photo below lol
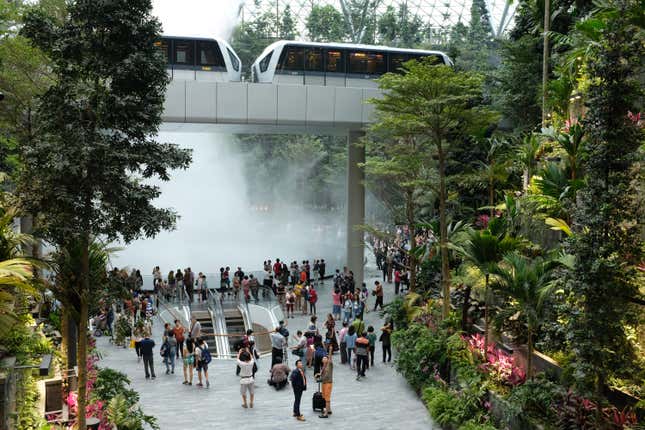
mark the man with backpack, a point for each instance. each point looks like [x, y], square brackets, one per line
[203, 356]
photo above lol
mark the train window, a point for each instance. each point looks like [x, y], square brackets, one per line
[184, 52]
[314, 60]
[367, 63]
[376, 64]
[396, 62]
[335, 61]
[209, 54]
[292, 59]
[264, 63]
[234, 61]
[164, 47]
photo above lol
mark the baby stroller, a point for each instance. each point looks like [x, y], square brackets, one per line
[100, 325]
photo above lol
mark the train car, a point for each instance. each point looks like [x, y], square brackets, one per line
[333, 64]
[200, 59]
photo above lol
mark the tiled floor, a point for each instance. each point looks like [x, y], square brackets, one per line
[382, 400]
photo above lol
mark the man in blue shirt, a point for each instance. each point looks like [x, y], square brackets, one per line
[146, 346]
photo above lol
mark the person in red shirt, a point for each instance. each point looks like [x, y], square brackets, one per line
[277, 269]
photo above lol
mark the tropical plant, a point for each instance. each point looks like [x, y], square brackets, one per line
[438, 105]
[125, 415]
[528, 283]
[15, 275]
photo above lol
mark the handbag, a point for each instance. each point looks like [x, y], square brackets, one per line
[132, 343]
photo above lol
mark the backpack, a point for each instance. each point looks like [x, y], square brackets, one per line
[206, 356]
[164, 349]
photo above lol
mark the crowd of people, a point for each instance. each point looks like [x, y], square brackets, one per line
[343, 332]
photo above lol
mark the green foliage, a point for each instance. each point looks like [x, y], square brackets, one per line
[24, 342]
[474, 425]
[453, 408]
[325, 24]
[606, 241]
[122, 413]
[110, 383]
[535, 399]
[396, 312]
[27, 396]
[400, 28]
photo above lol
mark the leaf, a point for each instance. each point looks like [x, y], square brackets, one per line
[559, 225]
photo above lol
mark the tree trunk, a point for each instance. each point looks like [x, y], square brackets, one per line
[443, 227]
[413, 240]
[529, 356]
[486, 329]
[545, 58]
[82, 335]
[464, 309]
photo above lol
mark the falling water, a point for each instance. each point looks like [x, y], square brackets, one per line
[220, 226]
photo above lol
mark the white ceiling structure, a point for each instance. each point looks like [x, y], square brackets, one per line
[440, 15]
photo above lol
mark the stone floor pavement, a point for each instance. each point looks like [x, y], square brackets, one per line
[382, 400]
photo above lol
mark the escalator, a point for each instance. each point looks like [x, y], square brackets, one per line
[205, 320]
[235, 327]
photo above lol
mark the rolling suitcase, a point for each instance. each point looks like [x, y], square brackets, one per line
[343, 353]
[318, 400]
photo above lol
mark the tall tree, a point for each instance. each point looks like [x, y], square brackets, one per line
[400, 28]
[325, 24]
[607, 242]
[360, 19]
[287, 28]
[441, 105]
[84, 172]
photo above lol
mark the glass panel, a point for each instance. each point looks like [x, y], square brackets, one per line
[358, 62]
[164, 46]
[292, 59]
[314, 60]
[376, 63]
[335, 62]
[184, 52]
[234, 61]
[437, 59]
[210, 54]
[264, 63]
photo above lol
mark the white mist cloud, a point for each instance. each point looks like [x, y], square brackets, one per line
[205, 18]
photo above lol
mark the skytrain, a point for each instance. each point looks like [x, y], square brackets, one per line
[332, 64]
[200, 59]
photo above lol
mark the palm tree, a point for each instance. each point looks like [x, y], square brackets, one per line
[528, 283]
[527, 155]
[15, 274]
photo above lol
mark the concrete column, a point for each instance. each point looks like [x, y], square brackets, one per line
[355, 206]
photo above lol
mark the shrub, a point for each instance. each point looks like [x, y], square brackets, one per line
[474, 425]
[534, 398]
[395, 310]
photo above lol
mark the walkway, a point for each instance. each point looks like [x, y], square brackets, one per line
[382, 400]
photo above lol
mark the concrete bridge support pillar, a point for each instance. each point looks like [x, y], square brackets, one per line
[355, 205]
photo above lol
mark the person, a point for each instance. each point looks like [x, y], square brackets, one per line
[246, 288]
[201, 293]
[137, 335]
[147, 346]
[189, 282]
[384, 269]
[397, 281]
[236, 287]
[362, 351]
[319, 352]
[336, 301]
[326, 377]
[342, 344]
[179, 280]
[378, 292]
[386, 331]
[277, 268]
[279, 375]
[277, 345]
[330, 335]
[359, 325]
[301, 345]
[172, 283]
[247, 382]
[312, 329]
[178, 330]
[313, 298]
[364, 294]
[195, 331]
[299, 385]
[350, 342]
[321, 268]
[291, 302]
[171, 352]
[188, 355]
[202, 355]
[255, 288]
[371, 336]
[348, 308]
